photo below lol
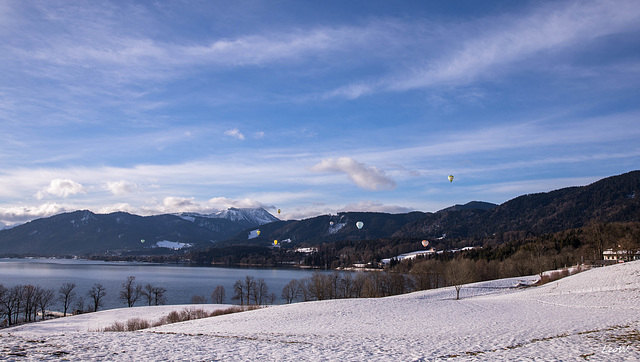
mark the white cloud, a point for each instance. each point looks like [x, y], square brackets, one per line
[61, 188]
[234, 132]
[120, 188]
[124, 207]
[222, 203]
[19, 214]
[177, 204]
[367, 177]
[180, 204]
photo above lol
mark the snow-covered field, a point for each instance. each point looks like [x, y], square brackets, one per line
[594, 315]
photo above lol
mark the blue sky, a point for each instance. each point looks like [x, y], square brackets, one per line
[311, 107]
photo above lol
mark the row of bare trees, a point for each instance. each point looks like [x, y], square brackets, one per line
[132, 292]
[23, 302]
[321, 286]
[252, 291]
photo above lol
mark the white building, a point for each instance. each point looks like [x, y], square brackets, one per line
[620, 255]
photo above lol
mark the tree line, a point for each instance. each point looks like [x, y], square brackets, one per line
[26, 302]
[583, 244]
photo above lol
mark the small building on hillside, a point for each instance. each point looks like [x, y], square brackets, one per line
[620, 255]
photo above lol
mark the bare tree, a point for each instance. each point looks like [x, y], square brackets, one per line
[290, 291]
[243, 290]
[79, 306]
[198, 299]
[596, 233]
[303, 290]
[153, 295]
[4, 296]
[130, 292]
[346, 286]
[628, 245]
[16, 294]
[96, 294]
[29, 301]
[249, 285]
[45, 299]
[9, 299]
[459, 272]
[238, 292]
[147, 293]
[159, 295]
[218, 295]
[260, 292]
[319, 286]
[67, 295]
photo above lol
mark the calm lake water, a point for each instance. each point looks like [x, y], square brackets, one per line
[181, 282]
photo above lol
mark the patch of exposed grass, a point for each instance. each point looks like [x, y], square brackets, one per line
[552, 276]
[175, 316]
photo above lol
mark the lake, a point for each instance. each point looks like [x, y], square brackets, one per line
[181, 281]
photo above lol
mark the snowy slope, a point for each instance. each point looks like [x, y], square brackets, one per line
[594, 315]
[257, 216]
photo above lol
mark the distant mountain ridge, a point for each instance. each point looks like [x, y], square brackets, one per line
[613, 199]
[84, 232]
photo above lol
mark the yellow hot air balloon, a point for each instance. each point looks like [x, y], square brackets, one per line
[258, 232]
[279, 211]
[450, 178]
[275, 242]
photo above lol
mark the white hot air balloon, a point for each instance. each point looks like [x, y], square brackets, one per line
[359, 224]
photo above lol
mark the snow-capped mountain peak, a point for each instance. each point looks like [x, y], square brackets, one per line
[256, 216]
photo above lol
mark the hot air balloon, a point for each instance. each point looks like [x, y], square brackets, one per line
[258, 232]
[275, 242]
[425, 243]
[359, 224]
[279, 211]
[142, 241]
[450, 178]
[330, 223]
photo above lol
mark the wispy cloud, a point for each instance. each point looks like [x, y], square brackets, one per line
[558, 130]
[235, 133]
[374, 206]
[507, 41]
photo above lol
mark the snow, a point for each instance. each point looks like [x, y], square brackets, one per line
[258, 216]
[593, 315]
[253, 234]
[186, 217]
[172, 245]
[411, 255]
[336, 227]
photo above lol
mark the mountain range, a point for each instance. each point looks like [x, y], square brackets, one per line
[613, 199]
[84, 232]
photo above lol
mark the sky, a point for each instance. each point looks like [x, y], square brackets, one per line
[310, 107]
